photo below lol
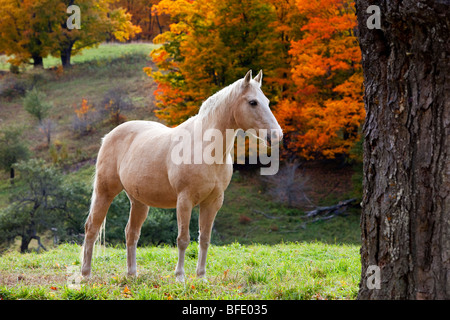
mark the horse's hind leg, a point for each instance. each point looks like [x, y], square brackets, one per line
[101, 200]
[138, 214]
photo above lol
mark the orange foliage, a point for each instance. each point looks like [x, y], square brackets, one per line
[307, 48]
[212, 43]
[323, 117]
[84, 114]
[141, 12]
[84, 109]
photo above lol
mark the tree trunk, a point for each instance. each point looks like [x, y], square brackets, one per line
[159, 25]
[38, 62]
[66, 54]
[11, 175]
[405, 221]
[24, 244]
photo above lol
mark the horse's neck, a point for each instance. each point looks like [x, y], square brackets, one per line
[222, 124]
[211, 122]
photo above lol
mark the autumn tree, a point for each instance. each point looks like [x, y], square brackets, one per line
[288, 23]
[33, 29]
[210, 45]
[406, 201]
[99, 21]
[151, 24]
[322, 116]
[308, 50]
[25, 30]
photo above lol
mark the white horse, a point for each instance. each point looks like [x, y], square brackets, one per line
[136, 157]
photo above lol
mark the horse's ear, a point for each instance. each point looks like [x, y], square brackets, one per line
[247, 78]
[259, 77]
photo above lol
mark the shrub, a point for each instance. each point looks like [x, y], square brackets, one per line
[115, 102]
[58, 152]
[13, 86]
[46, 202]
[12, 149]
[36, 105]
[85, 118]
[243, 219]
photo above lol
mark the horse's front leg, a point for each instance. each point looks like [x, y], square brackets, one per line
[184, 210]
[208, 211]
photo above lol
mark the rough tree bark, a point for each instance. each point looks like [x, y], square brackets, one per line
[66, 54]
[38, 61]
[406, 203]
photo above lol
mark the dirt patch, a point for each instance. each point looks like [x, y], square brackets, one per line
[27, 279]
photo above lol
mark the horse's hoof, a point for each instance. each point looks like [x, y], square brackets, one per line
[180, 278]
[86, 274]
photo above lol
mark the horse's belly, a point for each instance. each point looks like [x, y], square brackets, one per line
[159, 200]
[152, 191]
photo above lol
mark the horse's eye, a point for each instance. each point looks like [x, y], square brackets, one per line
[253, 103]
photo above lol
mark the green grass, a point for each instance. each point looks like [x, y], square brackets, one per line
[284, 271]
[105, 51]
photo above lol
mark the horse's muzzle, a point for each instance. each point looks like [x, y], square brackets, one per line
[274, 137]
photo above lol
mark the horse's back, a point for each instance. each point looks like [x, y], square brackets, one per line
[117, 144]
[132, 128]
[124, 134]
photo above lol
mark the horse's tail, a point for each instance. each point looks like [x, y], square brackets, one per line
[100, 242]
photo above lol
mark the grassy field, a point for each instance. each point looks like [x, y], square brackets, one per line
[285, 271]
[102, 52]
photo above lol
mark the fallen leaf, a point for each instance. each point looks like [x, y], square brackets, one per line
[53, 288]
[126, 290]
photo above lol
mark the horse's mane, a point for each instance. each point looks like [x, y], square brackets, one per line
[220, 99]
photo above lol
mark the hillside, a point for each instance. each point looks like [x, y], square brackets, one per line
[96, 72]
